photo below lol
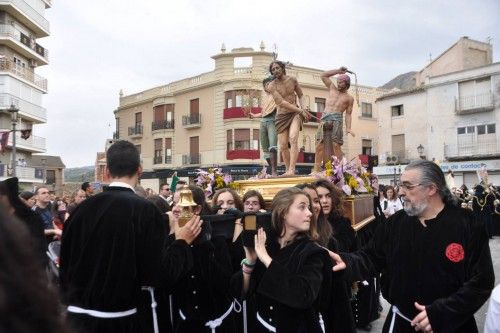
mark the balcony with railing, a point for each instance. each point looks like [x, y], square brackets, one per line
[168, 159]
[191, 159]
[135, 131]
[23, 44]
[191, 121]
[162, 124]
[474, 103]
[239, 112]
[27, 110]
[158, 160]
[26, 174]
[251, 154]
[27, 15]
[24, 73]
[489, 148]
[34, 144]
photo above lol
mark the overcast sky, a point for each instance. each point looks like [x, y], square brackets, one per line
[98, 47]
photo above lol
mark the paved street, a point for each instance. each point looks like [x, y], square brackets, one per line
[480, 315]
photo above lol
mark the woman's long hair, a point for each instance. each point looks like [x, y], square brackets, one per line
[325, 231]
[280, 206]
[335, 194]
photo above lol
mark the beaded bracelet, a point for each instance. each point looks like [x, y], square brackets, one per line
[247, 263]
[246, 270]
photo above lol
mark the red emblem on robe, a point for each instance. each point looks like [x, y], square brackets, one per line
[455, 252]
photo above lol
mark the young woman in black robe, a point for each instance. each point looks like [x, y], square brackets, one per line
[286, 280]
[337, 316]
[202, 299]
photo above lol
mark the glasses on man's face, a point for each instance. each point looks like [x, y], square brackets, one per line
[408, 186]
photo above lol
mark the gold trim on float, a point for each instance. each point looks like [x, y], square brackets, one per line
[358, 208]
[269, 187]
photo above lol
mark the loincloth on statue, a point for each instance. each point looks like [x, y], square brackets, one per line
[331, 122]
[284, 120]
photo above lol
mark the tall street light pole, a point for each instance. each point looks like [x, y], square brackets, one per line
[13, 113]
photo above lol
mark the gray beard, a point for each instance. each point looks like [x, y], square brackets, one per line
[414, 210]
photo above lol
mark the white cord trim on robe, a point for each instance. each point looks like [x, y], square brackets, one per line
[213, 324]
[395, 311]
[101, 314]
[265, 323]
[245, 324]
[153, 307]
[171, 305]
[321, 322]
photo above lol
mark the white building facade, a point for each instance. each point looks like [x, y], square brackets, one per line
[22, 24]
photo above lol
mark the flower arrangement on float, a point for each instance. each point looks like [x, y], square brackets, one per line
[214, 179]
[349, 176]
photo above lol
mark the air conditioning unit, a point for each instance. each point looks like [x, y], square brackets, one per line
[392, 159]
[32, 63]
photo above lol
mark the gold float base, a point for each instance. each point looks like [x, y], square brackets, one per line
[359, 208]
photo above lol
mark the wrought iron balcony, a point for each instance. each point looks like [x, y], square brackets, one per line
[135, 130]
[162, 124]
[158, 160]
[168, 159]
[191, 121]
[191, 159]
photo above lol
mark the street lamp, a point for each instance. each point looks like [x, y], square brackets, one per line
[14, 117]
[420, 150]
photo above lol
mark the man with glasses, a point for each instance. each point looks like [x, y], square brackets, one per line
[434, 257]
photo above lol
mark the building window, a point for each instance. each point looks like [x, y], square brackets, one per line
[138, 119]
[50, 176]
[366, 110]
[398, 146]
[158, 149]
[475, 93]
[229, 140]
[397, 110]
[366, 147]
[466, 130]
[168, 150]
[255, 141]
[242, 139]
[239, 101]
[491, 128]
[319, 104]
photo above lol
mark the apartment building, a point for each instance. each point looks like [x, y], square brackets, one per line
[202, 121]
[451, 116]
[22, 25]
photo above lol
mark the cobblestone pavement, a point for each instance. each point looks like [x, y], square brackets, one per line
[480, 315]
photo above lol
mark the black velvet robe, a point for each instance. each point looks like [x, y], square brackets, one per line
[203, 293]
[445, 266]
[112, 244]
[287, 292]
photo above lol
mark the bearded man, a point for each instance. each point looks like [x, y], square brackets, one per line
[433, 255]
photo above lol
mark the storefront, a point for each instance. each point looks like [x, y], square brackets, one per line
[465, 172]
